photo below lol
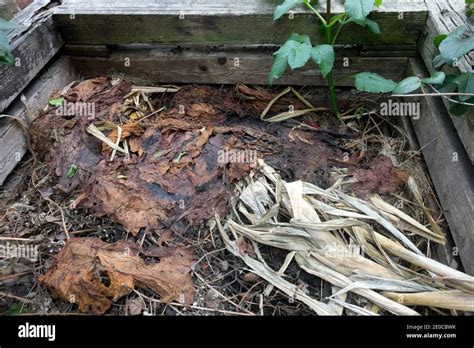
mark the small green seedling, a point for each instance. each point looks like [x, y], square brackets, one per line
[180, 156]
[298, 50]
[56, 102]
[71, 171]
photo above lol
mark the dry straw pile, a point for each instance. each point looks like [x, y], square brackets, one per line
[357, 246]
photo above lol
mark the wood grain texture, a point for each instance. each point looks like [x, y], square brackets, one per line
[224, 22]
[33, 45]
[442, 253]
[444, 16]
[12, 137]
[450, 169]
[228, 66]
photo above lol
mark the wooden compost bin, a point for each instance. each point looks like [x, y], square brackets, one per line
[227, 42]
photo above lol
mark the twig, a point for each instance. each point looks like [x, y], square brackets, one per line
[16, 239]
[21, 299]
[153, 113]
[222, 296]
[193, 306]
[52, 202]
[439, 94]
[10, 276]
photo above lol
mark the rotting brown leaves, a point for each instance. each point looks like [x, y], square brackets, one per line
[62, 139]
[93, 274]
[175, 177]
[379, 176]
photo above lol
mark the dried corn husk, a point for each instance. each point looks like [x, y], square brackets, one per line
[348, 242]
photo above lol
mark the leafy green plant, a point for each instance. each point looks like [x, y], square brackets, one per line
[5, 54]
[460, 87]
[470, 7]
[298, 49]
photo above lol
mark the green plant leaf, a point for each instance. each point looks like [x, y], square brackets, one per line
[280, 64]
[438, 61]
[436, 79]
[299, 55]
[456, 109]
[296, 52]
[455, 46]
[287, 5]
[336, 18]
[408, 85]
[470, 7]
[373, 26]
[15, 309]
[369, 23]
[7, 58]
[359, 9]
[378, 3]
[373, 83]
[4, 44]
[71, 171]
[448, 85]
[300, 38]
[56, 102]
[323, 55]
[465, 84]
[5, 25]
[438, 39]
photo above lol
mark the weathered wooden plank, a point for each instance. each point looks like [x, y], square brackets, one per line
[225, 22]
[12, 137]
[442, 253]
[389, 51]
[229, 66]
[86, 50]
[450, 169]
[446, 15]
[33, 45]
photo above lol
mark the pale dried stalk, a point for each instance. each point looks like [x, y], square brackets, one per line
[274, 278]
[450, 299]
[322, 248]
[455, 278]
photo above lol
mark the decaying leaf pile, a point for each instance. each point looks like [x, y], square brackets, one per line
[357, 246]
[93, 274]
[159, 170]
[170, 176]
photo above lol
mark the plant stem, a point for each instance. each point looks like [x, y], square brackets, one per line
[343, 23]
[332, 94]
[323, 21]
[329, 77]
